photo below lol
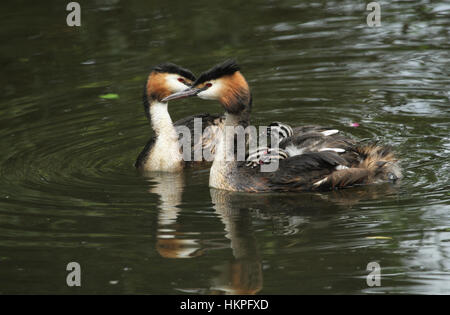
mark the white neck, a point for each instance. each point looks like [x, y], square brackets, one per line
[221, 167]
[160, 119]
[165, 154]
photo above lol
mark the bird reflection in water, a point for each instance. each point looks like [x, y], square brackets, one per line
[243, 274]
[171, 243]
[289, 214]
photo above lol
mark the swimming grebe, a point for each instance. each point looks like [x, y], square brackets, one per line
[310, 170]
[163, 151]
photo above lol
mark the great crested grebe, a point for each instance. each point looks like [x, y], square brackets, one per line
[356, 163]
[163, 151]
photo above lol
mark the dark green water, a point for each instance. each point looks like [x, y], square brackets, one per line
[69, 192]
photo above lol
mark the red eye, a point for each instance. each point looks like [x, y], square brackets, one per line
[208, 85]
[181, 80]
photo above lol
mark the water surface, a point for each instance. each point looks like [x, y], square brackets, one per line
[69, 191]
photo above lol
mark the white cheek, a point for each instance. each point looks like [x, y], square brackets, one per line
[174, 85]
[211, 93]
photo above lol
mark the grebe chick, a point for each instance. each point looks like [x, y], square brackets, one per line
[163, 151]
[308, 171]
[310, 138]
[316, 139]
[307, 139]
[265, 155]
[280, 129]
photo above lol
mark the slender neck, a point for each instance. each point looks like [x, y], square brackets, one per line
[165, 153]
[161, 121]
[232, 120]
[225, 146]
[221, 174]
[226, 142]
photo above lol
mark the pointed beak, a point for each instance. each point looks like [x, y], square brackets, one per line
[186, 93]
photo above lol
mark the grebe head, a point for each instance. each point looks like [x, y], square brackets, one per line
[225, 83]
[166, 79]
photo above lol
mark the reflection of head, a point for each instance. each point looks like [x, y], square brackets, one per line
[241, 276]
[176, 248]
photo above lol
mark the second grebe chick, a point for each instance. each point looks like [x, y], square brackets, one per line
[307, 139]
[310, 138]
[163, 151]
[265, 155]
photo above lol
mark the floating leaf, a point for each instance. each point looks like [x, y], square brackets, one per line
[110, 96]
